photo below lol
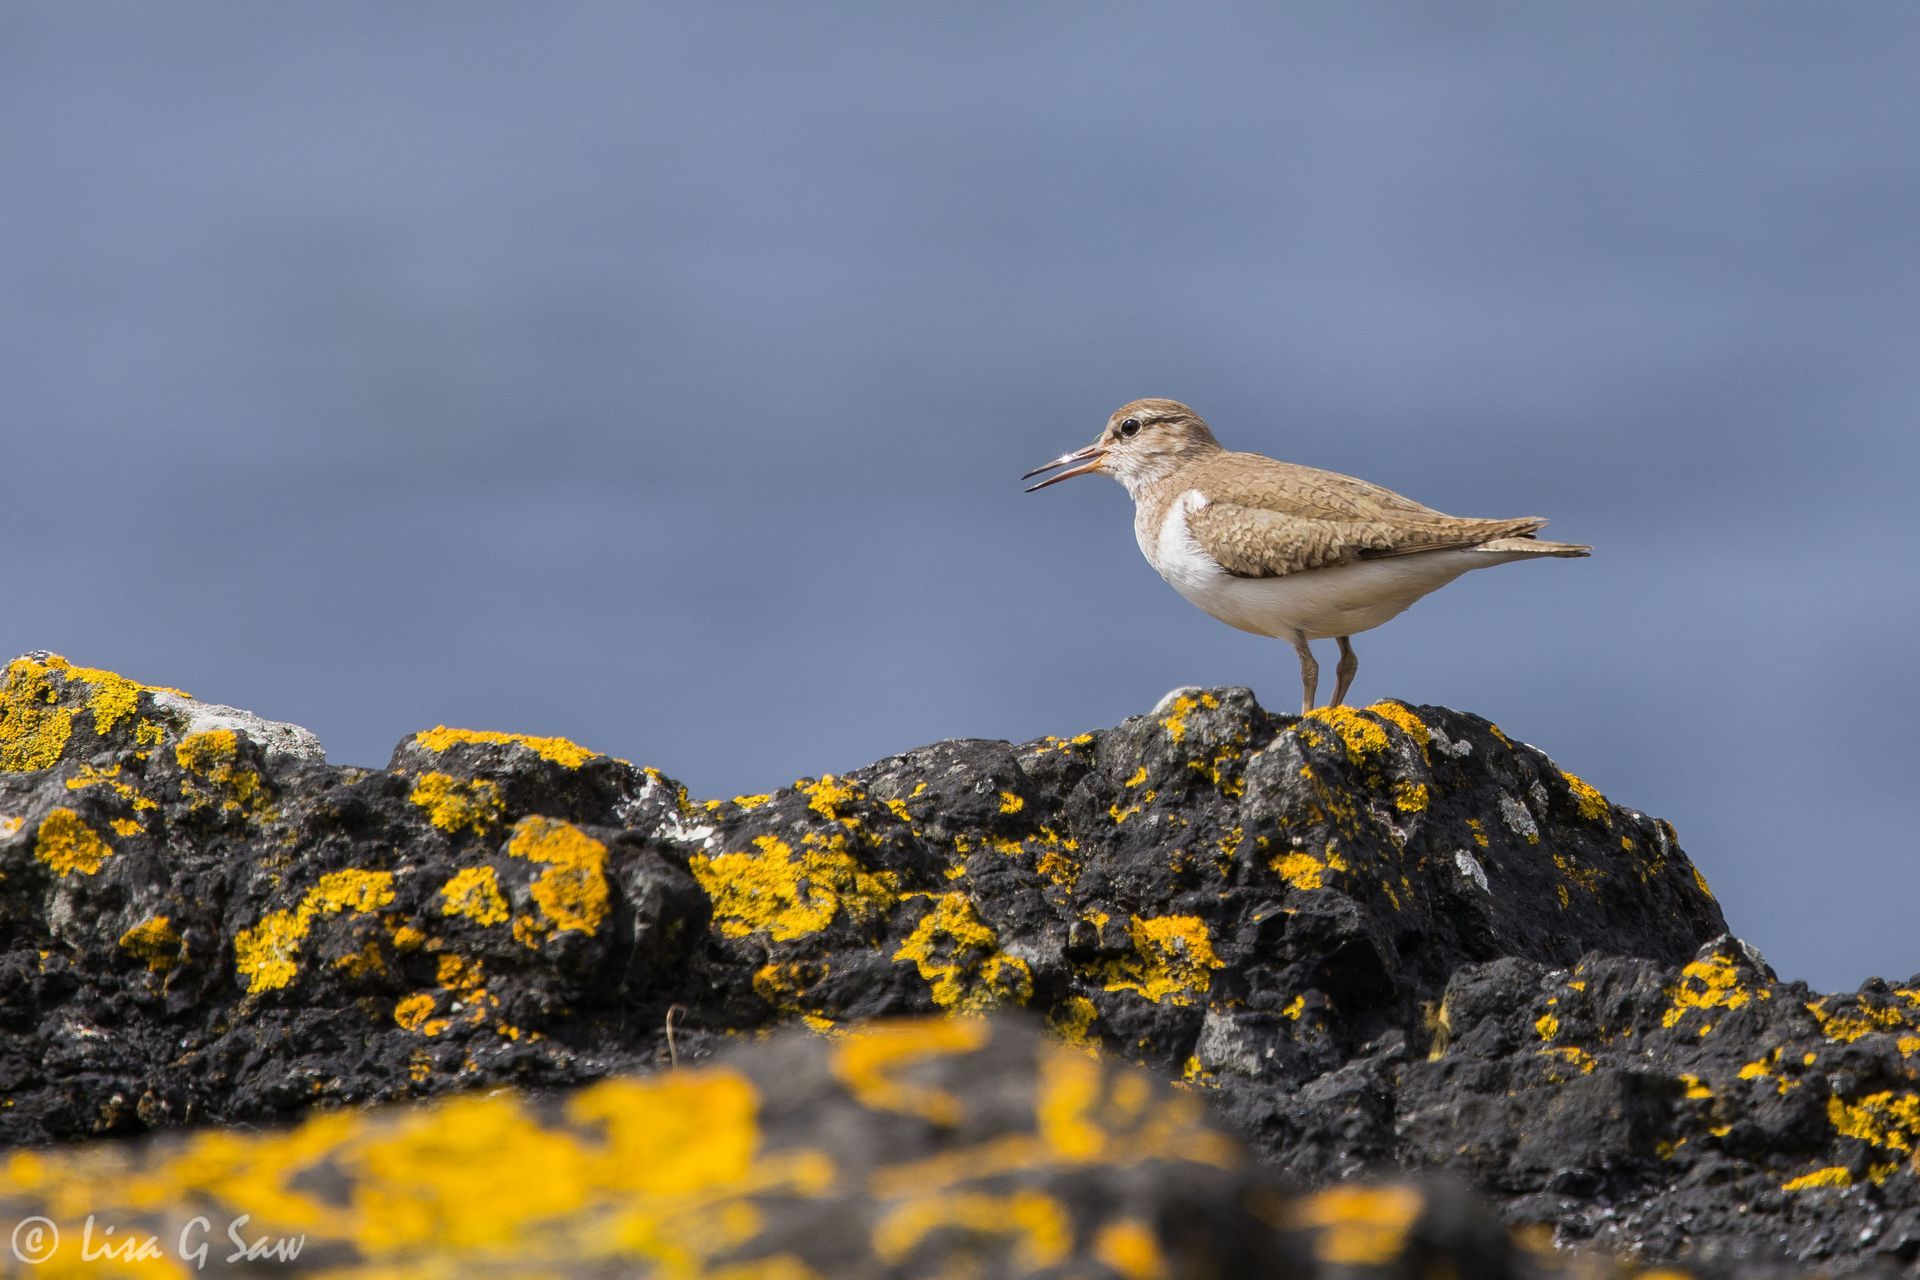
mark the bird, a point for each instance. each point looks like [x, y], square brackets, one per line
[1281, 549]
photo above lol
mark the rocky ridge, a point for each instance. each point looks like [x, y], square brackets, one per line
[1387, 937]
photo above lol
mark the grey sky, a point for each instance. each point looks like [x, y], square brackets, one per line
[659, 376]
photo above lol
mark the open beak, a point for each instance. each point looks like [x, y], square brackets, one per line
[1088, 458]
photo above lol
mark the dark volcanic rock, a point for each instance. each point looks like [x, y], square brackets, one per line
[1387, 936]
[936, 1147]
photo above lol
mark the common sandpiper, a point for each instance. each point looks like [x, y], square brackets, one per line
[1280, 549]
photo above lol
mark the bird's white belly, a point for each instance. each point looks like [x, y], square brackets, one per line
[1340, 600]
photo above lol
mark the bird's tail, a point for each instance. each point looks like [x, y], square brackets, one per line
[1529, 545]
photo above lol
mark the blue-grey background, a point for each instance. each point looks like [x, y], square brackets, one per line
[659, 376]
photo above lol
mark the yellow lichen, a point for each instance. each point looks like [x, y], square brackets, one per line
[1072, 1020]
[1833, 1176]
[1363, 738]
[367, 962]
[455, 804]
[33, 728]
[474, 892]
[784, 986]
[434, 1177]
[1011, 803]
[1175, 722]
[1130, 1250]
[1401, 715]
[35, 722]
[875, 1062]
[414, 1013]
[1573, 1055]
[1705, 985]
[1765, 1068]
[267, 954]
[214, 756]
[1360, 1226]
[561, 751]
[1547, 1025]
[959, 956]
[1885, 1119]
[1194, 1075]
[1859, 1019]
[1039, 1226]
[1056, 861]
[1215, 767]
[155, 942]
[1171, 962]
[1301, 870]
[790, 895]
[1701, 881]
[1587, 878]
[829, 795]
[572, 892]
[69, 846]
[1588, 802]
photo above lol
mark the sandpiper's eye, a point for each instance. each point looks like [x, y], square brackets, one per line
[1130, 428]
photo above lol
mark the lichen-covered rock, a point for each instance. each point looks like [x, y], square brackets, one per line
[1387, 936]
[939, 1147]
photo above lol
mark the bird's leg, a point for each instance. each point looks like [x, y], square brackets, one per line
[1309, 673]
[1345, 671]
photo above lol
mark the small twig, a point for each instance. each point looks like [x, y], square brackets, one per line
[673, 1050]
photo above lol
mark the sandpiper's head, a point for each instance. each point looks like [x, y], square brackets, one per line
[1144, 441]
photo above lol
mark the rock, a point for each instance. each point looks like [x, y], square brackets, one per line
[1377, 937]
[933, 1147]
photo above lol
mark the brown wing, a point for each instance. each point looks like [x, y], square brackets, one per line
[1269, 518]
